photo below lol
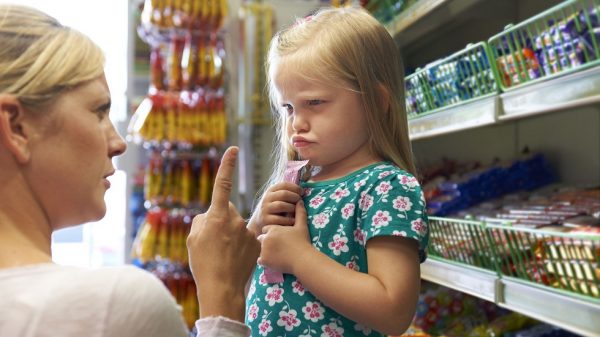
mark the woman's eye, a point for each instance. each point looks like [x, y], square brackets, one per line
[314, 102]
[102, 111]
[101, 114]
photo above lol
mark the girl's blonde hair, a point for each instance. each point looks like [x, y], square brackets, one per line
[40, 58]
[346, 47]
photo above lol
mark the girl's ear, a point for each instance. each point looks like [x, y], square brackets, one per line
[13, 135]
[385, 98]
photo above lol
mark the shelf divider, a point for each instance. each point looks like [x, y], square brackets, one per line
[568, 312]
[476, 282]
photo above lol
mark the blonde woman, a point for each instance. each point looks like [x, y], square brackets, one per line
[56, 146]
[351, 255]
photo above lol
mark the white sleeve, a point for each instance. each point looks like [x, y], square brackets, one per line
[142, 306]
[221, 327]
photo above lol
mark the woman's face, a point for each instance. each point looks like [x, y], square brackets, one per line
[71, 155]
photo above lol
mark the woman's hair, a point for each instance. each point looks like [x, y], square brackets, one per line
[349, 48]
[40, 58]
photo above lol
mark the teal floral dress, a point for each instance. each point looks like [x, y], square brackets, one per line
[343, 214]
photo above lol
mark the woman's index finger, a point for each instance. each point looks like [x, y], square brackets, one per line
[224, 180]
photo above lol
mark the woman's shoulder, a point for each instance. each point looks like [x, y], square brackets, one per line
[120, 301]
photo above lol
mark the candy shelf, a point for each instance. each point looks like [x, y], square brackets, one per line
[512, 294]
[582, 317]
[445, 120]
[465, 255]
[554, 95]
[570, 91]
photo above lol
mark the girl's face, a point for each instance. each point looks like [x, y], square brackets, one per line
[325, 124]
[71, 155]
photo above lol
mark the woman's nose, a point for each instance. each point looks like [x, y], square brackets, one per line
[116, 143]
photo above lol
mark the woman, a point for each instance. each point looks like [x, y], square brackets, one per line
[56, 146]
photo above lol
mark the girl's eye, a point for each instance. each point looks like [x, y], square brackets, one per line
[288, 109]
[314, 102]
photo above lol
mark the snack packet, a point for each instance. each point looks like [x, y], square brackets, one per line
[292, 175]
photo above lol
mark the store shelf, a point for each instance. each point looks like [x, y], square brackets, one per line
[561, 93]
[558, 94]
[473, 114]
[477, 282]
[567, 311]
[409, 25]
[571, 313]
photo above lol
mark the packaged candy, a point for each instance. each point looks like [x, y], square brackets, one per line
[291, 174]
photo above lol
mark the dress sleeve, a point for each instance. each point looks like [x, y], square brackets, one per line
[395, 205]
[221, 327]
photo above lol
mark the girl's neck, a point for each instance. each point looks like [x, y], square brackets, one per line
[335, 171]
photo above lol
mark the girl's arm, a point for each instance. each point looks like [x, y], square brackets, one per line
[384, 299]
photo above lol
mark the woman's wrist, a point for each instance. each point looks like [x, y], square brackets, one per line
[222, 301]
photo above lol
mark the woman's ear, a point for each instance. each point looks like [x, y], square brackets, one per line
[13, 135]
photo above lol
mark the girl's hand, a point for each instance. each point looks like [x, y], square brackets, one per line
[283, 246]
[277, 206]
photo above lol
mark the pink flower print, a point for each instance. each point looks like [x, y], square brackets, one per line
[402, 204]
[298, 288]
[365, 201]
[360, 236]
[359, 184]
[316, 201]
[274, 295]
[332, 330]
[383, 188]
[352, 265]
[307, 191]
[419, 226]
[288, 319]
[348, 211]
[252, 312]
[339, 193]
[262, 279]
[384, 174]
[399, 233]
[252, 289]
[408, 181]
[339, 244]
[265, 327]
[359, 327]
[381, 219]
[313, 311]
[320, 220]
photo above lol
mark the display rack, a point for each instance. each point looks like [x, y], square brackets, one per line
[557, 94]
[181, 124]
[517, 296]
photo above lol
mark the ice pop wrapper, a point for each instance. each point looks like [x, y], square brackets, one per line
[292, 175]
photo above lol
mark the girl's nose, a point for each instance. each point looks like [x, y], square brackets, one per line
[299, 122]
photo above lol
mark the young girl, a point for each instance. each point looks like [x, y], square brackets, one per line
[351, 265]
